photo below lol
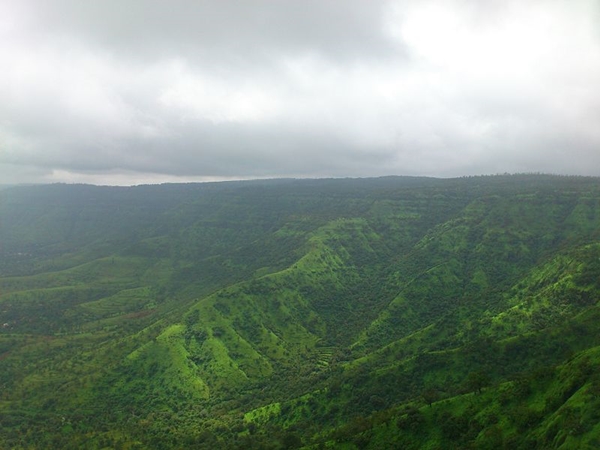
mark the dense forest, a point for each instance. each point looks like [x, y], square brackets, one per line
[393, 312]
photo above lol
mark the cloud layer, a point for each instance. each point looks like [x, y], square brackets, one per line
[132, 91]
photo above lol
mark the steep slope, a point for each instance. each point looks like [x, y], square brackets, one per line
[284, 313]
[518, 369]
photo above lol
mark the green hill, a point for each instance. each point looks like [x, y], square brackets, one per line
[393, 312]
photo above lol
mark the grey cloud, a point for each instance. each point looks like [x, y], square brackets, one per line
[226, 150]
[150, 90]
[235, 32]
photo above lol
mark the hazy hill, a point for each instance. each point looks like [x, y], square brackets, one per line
[353, 313]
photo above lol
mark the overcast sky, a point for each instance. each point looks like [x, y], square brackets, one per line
[144, 91]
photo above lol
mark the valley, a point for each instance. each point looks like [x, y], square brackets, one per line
[390, 312]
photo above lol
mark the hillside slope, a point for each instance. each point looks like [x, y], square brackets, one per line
[414, 312]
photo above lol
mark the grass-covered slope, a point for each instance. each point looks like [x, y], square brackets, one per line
[376, 313]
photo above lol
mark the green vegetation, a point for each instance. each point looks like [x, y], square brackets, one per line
[353, 314]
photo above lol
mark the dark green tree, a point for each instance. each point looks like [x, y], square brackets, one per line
[476, 381]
